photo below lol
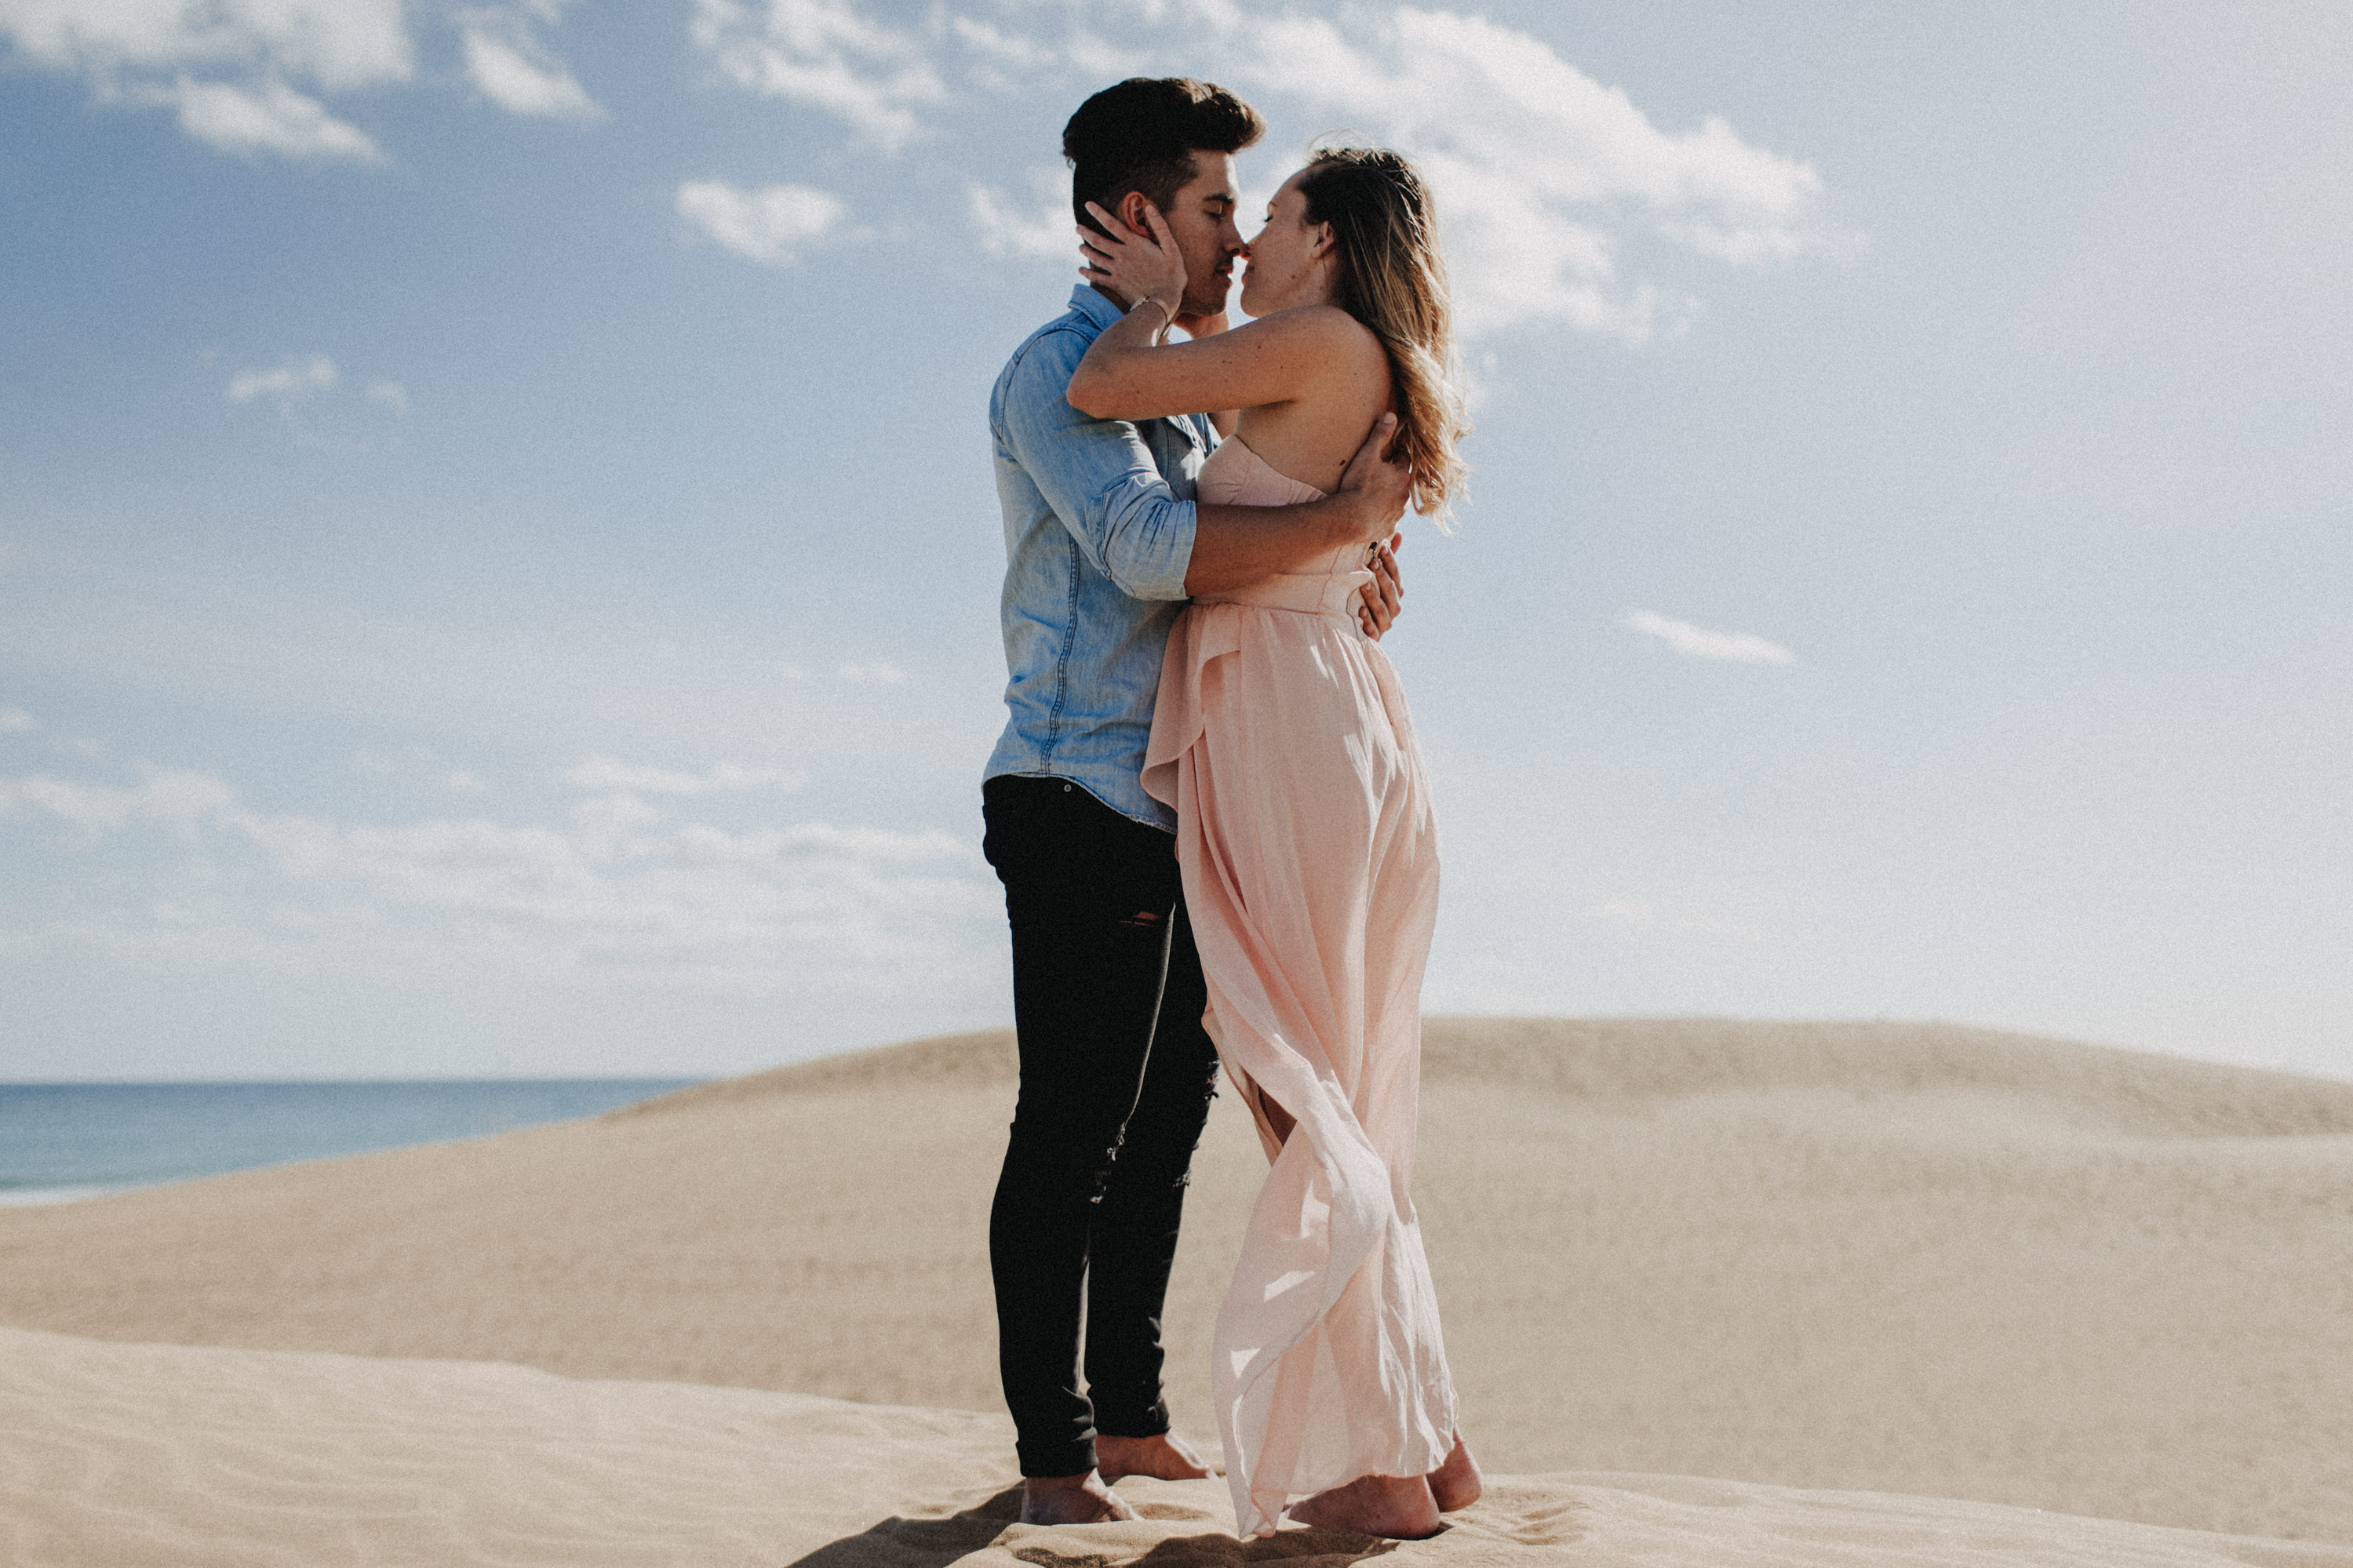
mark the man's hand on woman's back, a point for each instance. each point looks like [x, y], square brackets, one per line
[1234, 546]
[1383, 597]
[1373, 490]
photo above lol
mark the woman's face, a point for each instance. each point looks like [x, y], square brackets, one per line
[1289, 263]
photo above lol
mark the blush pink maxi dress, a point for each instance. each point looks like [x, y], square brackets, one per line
[1310, 866]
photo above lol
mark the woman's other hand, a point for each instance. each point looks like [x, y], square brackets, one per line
[1135, 264]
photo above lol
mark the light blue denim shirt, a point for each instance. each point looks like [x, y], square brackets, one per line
[1098, 534]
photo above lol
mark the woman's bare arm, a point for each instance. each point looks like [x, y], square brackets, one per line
[1132, 372]
[1127, 375]
[1195, 328]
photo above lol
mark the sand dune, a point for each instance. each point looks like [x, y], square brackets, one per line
[158, 1457]
[1901, 1259]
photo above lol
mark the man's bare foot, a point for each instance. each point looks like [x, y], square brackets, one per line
[1071, 1499]
[1398, 1507]
[1166, 1458]
[1457, 1483]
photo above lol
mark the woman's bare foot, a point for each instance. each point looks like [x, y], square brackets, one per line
[1457, 1483]
[1071, 1499]
[1398, 1507]
[1166, 1458]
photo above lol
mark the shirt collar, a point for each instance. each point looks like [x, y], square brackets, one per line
[1103, 313]
[1093, 306]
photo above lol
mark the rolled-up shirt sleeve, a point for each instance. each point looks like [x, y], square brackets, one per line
[1098, 476]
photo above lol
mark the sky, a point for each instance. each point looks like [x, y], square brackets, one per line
[498, 561]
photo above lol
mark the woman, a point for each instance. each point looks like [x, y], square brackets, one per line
[1304, 836]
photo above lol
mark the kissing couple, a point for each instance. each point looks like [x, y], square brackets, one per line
[1211, 822]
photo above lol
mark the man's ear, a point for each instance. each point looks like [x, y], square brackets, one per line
[1130, 211]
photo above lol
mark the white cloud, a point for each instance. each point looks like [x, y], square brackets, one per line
[767, 225]
[174, 799]
[463, 782]
[15, 719]
[236, 70]
[880, 673]
[268, 117]
[391, 393]
[1560, 199]
[719, 778]
[1700, 643]
[823, 54]
[297, 376]
[1542, 174]
[226, 67]
[511, 72]
[622, 894]
[1039, 227]
[337, 44]
[1006, 50]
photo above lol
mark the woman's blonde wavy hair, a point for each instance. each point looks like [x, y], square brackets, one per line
[1391, 277]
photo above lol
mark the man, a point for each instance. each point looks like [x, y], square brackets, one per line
[1103, 542]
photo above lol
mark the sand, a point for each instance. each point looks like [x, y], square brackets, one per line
[1844, 1269]
[158, 1455]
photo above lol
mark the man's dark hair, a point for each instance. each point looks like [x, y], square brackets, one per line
[1140, 136]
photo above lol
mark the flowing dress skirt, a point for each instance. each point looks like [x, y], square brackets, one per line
[1310, 866]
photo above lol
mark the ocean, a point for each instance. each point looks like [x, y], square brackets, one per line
[59, 1142]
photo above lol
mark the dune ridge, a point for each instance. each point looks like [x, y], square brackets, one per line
[2134, 1091]
[1886, 1258]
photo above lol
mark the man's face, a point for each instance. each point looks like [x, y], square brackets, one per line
[1201, 216]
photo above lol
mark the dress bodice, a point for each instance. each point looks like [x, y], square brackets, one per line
[1236, 476]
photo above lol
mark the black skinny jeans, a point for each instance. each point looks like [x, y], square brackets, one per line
[1116, 1078]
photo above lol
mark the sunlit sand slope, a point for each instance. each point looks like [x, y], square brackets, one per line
[159, 1456]
[1882, 1258]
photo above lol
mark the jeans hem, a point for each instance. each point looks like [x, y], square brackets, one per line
[1054, 1467]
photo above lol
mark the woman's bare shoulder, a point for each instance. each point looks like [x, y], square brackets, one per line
[1335, 342]
[1326, 324]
